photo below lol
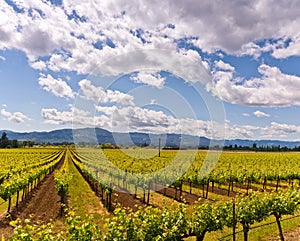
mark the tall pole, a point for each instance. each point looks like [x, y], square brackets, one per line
[158, 147]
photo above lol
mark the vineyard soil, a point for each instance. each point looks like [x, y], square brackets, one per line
[291, 236]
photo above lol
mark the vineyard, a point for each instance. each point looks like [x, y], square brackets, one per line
[179, 195]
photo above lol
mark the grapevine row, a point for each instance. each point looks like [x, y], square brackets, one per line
[16, 162]
[231, 169]
[170, 223]
[62, 180]
[27, 180]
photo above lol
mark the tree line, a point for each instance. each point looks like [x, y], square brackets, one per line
[254, 147]
[5, 142]
[266, 148]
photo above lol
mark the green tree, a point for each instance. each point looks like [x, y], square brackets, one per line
[30, 143]
[14, 143]
[4, 142]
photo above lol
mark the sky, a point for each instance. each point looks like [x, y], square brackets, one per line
[226, 69]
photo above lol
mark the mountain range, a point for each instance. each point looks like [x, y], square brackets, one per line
[98, 136]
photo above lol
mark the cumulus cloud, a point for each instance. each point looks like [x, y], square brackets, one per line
[292, 49]
[53, 116]
[136, 118]
[186, 64]
[148, 78]
[17, 117]
[133, 118]
[5, 113]
[77, 34]
[273, 88]
[279, 48]
[39, 65]
[260, 114]
[279, 130]
[273, 131]
[224, 66]
[251, 49]
[98, 94]
[139, 119]
[58, 87]
[240, 131]
[130, 118]
[284, 128]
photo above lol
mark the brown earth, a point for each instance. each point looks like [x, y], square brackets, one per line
[171, 192]
[126, 199]
[289, 236]
[215, 189]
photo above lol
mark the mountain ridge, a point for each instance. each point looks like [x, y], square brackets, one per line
[99, 135]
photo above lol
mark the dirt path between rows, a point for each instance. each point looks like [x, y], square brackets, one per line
[289, 236]
[42, 205]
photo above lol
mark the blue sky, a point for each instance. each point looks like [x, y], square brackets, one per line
[226, 70]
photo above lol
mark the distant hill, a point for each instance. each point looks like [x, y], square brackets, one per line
[99, 135]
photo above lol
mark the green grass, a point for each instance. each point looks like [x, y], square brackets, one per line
[82, 199]
[4, 205]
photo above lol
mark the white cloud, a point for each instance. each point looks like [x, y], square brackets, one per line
[273, 131]
[130, 118]
[2, 58]
[39, 65]
[186, 64]
[75, 115]
[139, 119]
[260, 114]
[251, 49]
[274, 88]
[153, 102]
[149, 78]
[293, 49]
[136, 118]
[69, 34]
[246, 114]
[98, 94]
[6, 113]
[280, 48]
[224, 66]
[17, 117]
[58, 87]
[240, 131]
[133, 118]
[279, 130]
